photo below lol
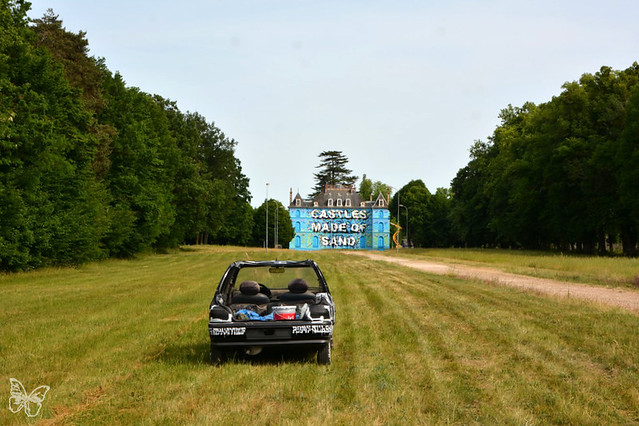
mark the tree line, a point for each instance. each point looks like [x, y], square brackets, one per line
[91, 168]
[562, 175]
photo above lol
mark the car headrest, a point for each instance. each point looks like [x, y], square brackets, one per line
[249, 288]
[298, 285]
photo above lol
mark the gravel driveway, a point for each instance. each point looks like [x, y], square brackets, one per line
[627, 299]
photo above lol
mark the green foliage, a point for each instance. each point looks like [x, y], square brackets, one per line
[370, 190]
[366, 188]
[285, 230]
[52, 207]
[332, 171]
[416, 199]
[469, 207]
[440, 226]
[140, 179]
[238, 226]
[628, 156]
[556, 175]
[72, 52]
[380, 188]
[423, 216]
[90, 167]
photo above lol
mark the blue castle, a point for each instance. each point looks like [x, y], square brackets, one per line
[338, 218]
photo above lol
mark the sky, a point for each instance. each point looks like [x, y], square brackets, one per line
[403, 88]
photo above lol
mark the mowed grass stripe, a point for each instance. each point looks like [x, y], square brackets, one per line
[382, 373]
[245, 380]
[446, 383]
[126, 342]
[418, 354]
[108, 317]
[534, 349]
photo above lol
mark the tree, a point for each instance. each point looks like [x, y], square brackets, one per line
[557, 175]
[142, 173]
[416, 199]
[83, 73]
[440, 231]
[370, 190]
[628, 177]
[90, 167]
[366, 188]
[380, 188]
[469, 207]
[238, 227]
[285, 230]
[332, 171]
[51, 208]
[72, 52]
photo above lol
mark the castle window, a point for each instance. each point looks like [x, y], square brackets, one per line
[315, 204]
[339, 202]
[348, 202]
[362, 204]
[298, 202]
[381, 202]
[330, 202]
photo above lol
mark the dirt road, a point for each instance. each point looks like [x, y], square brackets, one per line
[622, 298]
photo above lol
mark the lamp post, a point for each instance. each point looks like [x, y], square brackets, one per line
[276, 223]
[399, 230]
[266, 241]
[407, 240]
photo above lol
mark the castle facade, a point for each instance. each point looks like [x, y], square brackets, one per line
[338, 218]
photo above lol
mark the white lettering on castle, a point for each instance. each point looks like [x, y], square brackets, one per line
[339, 214]
[338, 221]
[344, 227]
[338, 241]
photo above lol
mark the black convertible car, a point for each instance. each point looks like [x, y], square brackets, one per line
[267, 303]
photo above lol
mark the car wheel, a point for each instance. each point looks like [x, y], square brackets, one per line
[324, 354]
[217, 356]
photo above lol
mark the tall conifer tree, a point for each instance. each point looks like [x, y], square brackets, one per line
[332, 171]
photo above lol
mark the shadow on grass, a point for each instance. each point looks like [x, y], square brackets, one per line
[199, 353]
[185, 353]
[274, 356]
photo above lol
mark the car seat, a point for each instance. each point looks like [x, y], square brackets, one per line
[297, 292]
[250, 294]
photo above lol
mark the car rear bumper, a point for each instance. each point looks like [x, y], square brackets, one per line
[268, 333]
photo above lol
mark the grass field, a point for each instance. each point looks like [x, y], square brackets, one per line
[126, 342]
[606, 271]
